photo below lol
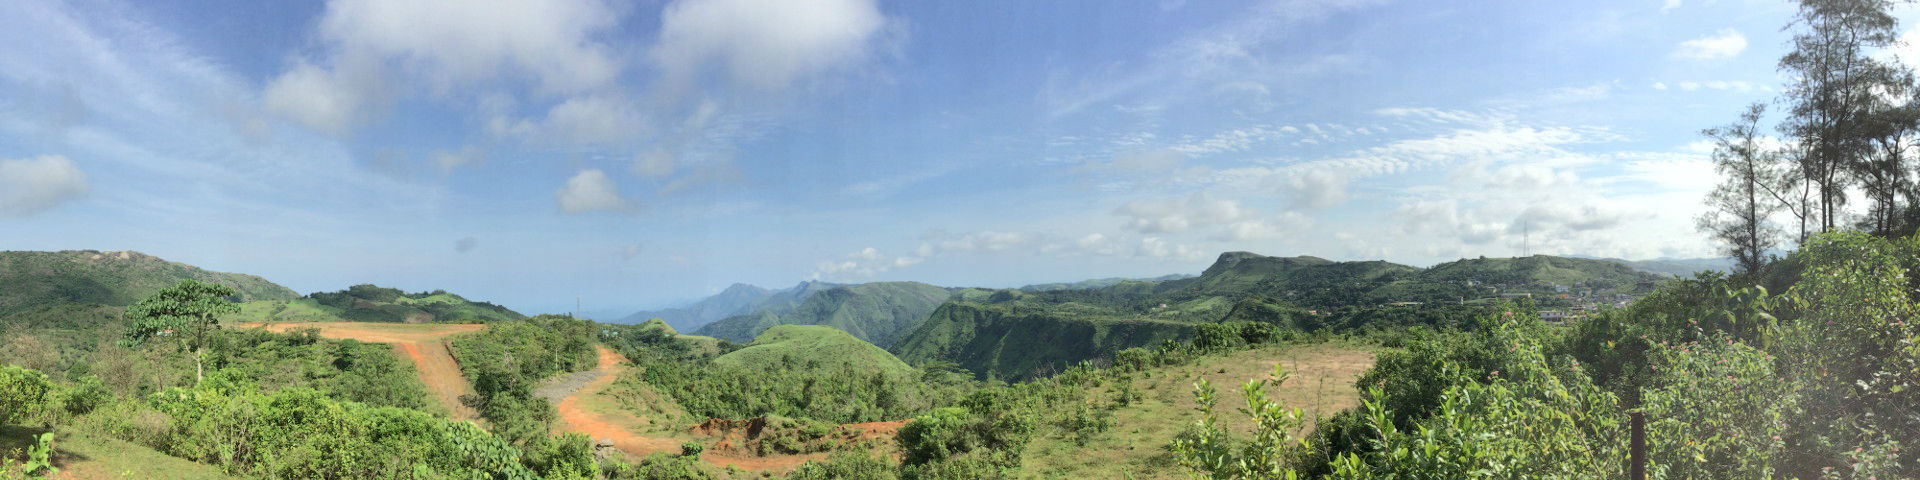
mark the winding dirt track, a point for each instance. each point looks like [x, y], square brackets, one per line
[423, 344]
[613, 426]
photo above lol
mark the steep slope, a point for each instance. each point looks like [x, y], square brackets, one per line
[1017, 340]
[880, 313]
[87, 278]
[368, 303]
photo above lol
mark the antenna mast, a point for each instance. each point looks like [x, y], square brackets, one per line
[1526, 238]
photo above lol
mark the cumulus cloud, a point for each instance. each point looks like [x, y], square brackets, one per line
[590, 190]
[764, 45]
[1315, 188]
[444, 45]
[1176, 215]
[864, 263]
[34, 185]
[329, 101]
[1156, 247]
[1725, 43]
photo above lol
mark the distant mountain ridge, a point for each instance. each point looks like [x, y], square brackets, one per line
[1098, 283]
[738, 299]
[879, 313]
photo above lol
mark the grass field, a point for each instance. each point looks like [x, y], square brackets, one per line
[87, 457]
[1321, 383]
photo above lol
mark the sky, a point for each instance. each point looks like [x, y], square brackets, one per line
[626, 155]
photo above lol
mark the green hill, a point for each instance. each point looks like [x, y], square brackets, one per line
[88, 278]
[880, 313]
[1018, 340]
[818, 346]
[1016, 334]
[368, 303]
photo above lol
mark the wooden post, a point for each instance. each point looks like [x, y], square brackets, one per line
[1637, 450]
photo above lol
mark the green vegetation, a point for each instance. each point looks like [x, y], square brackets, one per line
[507, 360]
[799, 371]
[1014, 334]
[86, 278]
[188, 313]
[1815, 382]
[880, 313]
[368, 303]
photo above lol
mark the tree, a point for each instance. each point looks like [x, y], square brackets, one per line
[1742, 204]
[1835, 82]
[188, 312]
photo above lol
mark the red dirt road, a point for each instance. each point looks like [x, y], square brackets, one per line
[423, 344]
[609, 425]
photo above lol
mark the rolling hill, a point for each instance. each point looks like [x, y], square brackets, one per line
[368, 303]
[88, 278]
[880, 313]
[820, 346]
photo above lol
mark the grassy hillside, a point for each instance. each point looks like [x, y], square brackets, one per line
[1321, 383]
[880, 313]
[817, 346]
[368, 303]
[37, 280]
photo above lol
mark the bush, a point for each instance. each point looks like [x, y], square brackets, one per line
[86, 395]
[846, 466]
[691, 449]
[23, 394]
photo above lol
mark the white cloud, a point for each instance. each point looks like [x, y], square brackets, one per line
[1741, 86]
[653, 164]
[1155, 247]
[1315, 188]
[590, 190]
[34, 185]
[447, 160]
[1669, 5]
[985, 241]
[444, 46]
[1175, 215]
[1726, 43]
[1261, 229]
[764, 45]
[864, 263]
[1659, 85]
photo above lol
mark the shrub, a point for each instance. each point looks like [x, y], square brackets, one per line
[23, 394]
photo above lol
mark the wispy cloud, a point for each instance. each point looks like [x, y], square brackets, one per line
[1726, 43]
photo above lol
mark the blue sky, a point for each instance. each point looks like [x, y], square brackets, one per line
[634, 154]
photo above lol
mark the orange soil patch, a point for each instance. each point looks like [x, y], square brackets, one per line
[613, 426]
[424, 345]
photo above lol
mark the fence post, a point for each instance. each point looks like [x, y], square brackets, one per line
[1637, 450]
